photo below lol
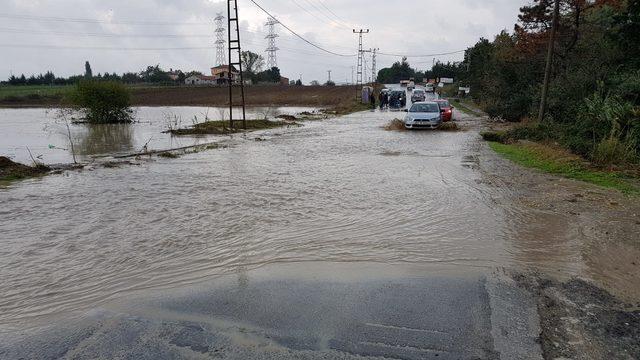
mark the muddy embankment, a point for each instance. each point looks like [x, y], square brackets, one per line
[578, 251]
[320, 96]
[10, 170]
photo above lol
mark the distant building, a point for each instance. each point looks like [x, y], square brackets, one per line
[219, 76]
[284, 80]
[221, 73]
[201, 80]
[173, 75]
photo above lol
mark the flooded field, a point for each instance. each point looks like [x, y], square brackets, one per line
[337, 191]
[45, 133]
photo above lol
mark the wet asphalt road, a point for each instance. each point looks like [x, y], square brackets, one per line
[321, 316]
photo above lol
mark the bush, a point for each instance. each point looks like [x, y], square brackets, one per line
[612, 151]
[102, 102]
[495, 136]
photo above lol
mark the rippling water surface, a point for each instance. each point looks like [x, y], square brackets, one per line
[341, 190]
[44, 132]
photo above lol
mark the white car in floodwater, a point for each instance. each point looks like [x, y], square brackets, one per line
[423, 115]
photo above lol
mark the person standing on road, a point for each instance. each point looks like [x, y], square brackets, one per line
[372, 100]
[381, 99]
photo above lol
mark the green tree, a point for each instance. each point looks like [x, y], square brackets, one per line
[400, 70]
[87, 70]
[155, 74]
[252, 63]
[102, 101]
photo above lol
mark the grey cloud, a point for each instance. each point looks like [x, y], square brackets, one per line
[406, 26]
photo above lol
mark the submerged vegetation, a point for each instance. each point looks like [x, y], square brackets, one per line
[221, 127]
[102, 101]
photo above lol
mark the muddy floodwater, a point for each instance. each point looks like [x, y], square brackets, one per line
[335, 191]
[44, 132]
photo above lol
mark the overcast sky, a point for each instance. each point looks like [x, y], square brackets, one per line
[41, 35]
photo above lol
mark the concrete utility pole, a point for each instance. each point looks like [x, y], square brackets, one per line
[374, 73]
[220, 42]
[272, 48]
[329, 73]
[548, 66]
[360, 61]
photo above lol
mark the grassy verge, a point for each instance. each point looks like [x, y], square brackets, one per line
[219, 127]
[464, 107]
[560, 162]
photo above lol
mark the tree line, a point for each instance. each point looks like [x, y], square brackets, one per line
[402, 70]
[594, 93]
[152, 74]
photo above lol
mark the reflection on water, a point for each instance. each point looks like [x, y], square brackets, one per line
[104, 139]
[45, 133]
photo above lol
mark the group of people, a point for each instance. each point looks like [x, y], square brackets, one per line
[383, 100]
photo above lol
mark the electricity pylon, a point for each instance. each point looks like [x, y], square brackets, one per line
[272, 60]
[221, 58]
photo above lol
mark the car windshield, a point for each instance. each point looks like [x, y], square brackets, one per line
[443, 103]
[418, 91]
[424, 108]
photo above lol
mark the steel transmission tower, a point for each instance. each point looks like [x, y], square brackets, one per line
[221, 58]
[272, 60]
[234, 44]
[360, 61]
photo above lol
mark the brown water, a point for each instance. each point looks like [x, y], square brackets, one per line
[342, 190]
[44, 132]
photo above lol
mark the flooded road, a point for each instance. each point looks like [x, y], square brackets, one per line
[340, 191]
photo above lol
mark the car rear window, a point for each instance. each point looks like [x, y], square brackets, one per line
[424, 108]
[443, 103]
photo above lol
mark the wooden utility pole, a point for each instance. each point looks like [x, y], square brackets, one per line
[547, 70]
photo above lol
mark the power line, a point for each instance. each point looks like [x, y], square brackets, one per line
[44, 46]
[426, 55]
[108, 35]
[300, 36]
[334, 14]
[323, 14]
[96, 21]
[114, 35]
